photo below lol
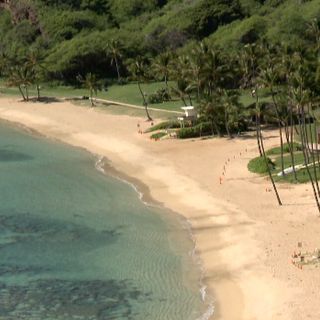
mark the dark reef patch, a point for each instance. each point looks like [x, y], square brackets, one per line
[64, 300]
[7, 155]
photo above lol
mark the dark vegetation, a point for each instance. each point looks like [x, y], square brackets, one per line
[207, 53]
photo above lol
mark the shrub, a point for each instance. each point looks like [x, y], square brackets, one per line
[161, 95]
[258, 165]
[201, 129]
[164, 125]
[158, 135]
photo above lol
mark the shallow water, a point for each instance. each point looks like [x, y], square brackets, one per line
[76, 244]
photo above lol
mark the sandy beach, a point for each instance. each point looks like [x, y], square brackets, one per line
[244, 239]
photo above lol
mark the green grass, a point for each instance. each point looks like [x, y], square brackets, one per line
[302, 176]
[310, 135]
[122, 110]
[277, 150]
[158, 135]
[164, 125]
[128, 93]
[246, 97]
[258, 165]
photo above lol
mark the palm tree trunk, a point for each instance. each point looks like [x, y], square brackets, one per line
[22, 94]
[91, 98]
[279, 126]
[291, 144]
[226, 123]
[257, 133]
[166, 82]
[118, 69]
[312, 155]
[183, 100]
[27, 93]
[145, 103]
[269, 171]
[214, 125]
[198, 88]
[38, 92]
[316, 141]
[307, 168]
[260, 137]
[281, 148]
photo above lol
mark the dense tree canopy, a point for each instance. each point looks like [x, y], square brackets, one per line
[75, 33]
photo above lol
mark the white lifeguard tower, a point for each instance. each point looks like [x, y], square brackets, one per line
[190, 114]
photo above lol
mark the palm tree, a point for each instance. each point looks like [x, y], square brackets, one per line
[211, 110]
[261, 143]
[161, 66]
[269, 78]
[183, 91]
[314, 31]
[248, 64]
[232, 109]
[138, 72]
[114, 49]
[35, 62]
[301, 96]
[180, 72]
[214, 71]
[20, 76]
[90, 82]
[196, 62]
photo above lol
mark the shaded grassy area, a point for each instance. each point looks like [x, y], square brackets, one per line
[246, 98]
[277, 150]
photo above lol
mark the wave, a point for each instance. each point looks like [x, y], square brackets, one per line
[206, 299]
[100, 165]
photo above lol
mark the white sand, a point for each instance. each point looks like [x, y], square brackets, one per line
[244, 239]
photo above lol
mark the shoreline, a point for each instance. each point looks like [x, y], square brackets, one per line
[243, 239]
[144, 194]
[106, 167]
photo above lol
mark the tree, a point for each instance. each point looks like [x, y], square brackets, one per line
[114, 49]
[35, 61]
[90, 82]
[261, 144]
[138, 70]
[248, 64]
[197, 59]
[180, 72]
[232, 109]
[161, 66]
[19, 74]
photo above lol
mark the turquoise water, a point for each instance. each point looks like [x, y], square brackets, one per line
[77, 244]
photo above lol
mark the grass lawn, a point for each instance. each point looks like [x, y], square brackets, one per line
[128, 93]
[246, 98]
[122, 110]
[310, 132]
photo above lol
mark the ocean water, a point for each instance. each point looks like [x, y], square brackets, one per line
[77, 244]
